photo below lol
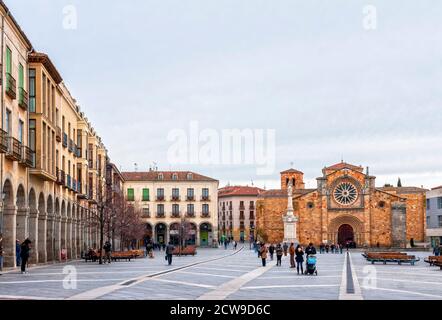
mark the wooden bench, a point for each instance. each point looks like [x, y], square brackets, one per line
[92, 256]
[187, 251]
[438, 264]
[433, 259]
[122, 255]
[384, 257]
[137, 253]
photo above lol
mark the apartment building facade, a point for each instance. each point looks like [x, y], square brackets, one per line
[237, 212]
[175, 206]
[52, 161]
[434, 215]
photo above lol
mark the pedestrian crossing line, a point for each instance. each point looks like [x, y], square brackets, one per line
[206, 274]
[219, 269]
[291, 286]
[410, 281]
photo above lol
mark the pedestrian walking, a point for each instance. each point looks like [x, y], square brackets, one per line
[107, 251]
[285, 247]
[292, 255]
[271, 251]
[25, 249]
[279, 253]
[327, 248]
[259, 246]
[235, 245]
[299, 259]
[321, 248]
[340, 247]
[169, 253]
[17, 253]
[263, 251]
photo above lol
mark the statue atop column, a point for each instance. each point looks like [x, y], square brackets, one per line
[289, 219]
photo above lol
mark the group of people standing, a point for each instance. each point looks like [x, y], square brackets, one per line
[296, 253]
[331, 248]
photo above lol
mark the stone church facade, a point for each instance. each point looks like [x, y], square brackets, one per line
[345, 207]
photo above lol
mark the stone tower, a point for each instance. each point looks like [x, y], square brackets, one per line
[294, 176]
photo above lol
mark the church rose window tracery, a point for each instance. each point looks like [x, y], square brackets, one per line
[345, 193]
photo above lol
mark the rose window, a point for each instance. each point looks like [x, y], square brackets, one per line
[345, 193]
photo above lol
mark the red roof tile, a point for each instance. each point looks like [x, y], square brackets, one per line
[239, 191]
[343, 165]
[167, 176]
[292, 171]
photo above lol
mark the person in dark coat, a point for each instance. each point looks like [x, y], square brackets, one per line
[169, 253]
[107, 251]
[17, 252]
[25, 249]
[279, 253]
[271, 251]
[285, 247]
[310, 250]
[299, 258]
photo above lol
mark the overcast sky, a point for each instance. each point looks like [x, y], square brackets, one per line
[310, 70]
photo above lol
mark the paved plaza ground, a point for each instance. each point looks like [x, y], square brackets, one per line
[215, 274]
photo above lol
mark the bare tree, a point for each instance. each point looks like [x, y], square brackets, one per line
[127, 224]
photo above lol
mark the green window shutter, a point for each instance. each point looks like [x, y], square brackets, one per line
[20, 76]
[8, 60]
[145, 194]
[130, 195]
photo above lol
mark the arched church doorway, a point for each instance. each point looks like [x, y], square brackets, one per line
[346, 235]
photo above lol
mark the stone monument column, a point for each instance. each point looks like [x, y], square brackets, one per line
[290, 220]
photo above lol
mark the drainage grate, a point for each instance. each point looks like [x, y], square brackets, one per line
[350, 284]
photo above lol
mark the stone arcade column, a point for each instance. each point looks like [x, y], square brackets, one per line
[22, 231]
[50, 238]
[69, 238]
[290, 220]
[74, 238]
[9, 235]
[57, 238]
[33, 235]
[42, 240]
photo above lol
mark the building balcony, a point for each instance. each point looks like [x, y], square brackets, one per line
[160, 215]
[91, 164]
[176, 214]
[175, 198]
[145, 215]
[79, 152]
[58, 134]
[74, 185]
[190, 198]
[14, 150]
[65, 140]
[252, 207]
[242, 207]
[190, 214]
[28, 157]
[61, 177]
[4, 141]
[205, 215]
[68, 182]
[242, 217]
[205, 198]
[230, 208]
[11, 86]
[159, 198]
[23, 99]
[71, 146]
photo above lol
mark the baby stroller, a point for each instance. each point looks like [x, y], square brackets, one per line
[311, 265]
